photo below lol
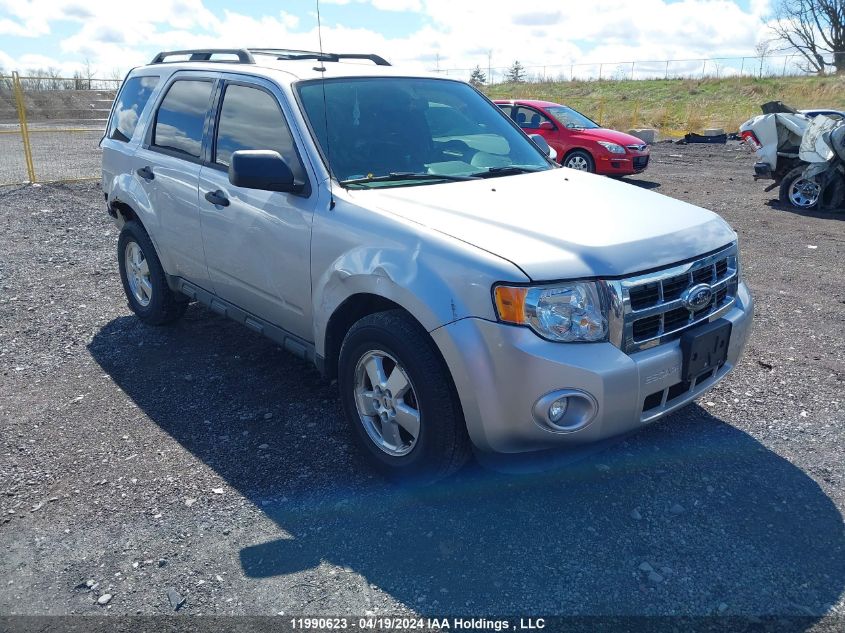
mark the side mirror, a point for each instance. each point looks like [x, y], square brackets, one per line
[540, 142]
[262, 169]
[546, 125]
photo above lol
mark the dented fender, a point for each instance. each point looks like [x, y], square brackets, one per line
[436, 278]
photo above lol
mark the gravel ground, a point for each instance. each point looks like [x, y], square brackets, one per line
[200, 466]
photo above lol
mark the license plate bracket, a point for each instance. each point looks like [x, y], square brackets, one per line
[705, 348]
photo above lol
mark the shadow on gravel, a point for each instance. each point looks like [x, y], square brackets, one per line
[643, 184]
[690, 517]
[832, 214]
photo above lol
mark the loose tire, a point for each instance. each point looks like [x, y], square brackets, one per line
[798, 191]
[400, 401]
[144, 283]
[580, 160]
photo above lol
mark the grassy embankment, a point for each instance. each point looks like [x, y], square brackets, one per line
[677, 106]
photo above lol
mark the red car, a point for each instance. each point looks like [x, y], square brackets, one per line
[580, 143]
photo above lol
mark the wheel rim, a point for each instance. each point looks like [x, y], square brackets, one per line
[387, 403]
[804, 193]
[578, 162]
[138, 274]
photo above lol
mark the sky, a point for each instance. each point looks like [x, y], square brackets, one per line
[114, 36]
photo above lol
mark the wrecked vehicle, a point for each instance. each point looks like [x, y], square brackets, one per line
[802, 154]
[403, 234]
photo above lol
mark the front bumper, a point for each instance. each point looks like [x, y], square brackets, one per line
[622, 164]
[501, 371]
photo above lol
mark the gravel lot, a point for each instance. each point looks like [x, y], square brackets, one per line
[201, 463]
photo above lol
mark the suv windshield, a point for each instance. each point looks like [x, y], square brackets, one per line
[380, 129]
[572, 119]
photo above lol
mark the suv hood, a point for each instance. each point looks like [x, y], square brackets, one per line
[604, 134]
[561, 223]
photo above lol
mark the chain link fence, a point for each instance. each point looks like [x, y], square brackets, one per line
[50, 127]
[792, 65]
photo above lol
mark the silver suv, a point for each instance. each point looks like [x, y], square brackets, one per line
[406, 236]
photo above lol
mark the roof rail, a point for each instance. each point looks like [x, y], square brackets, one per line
[290, 54]
[204, 55]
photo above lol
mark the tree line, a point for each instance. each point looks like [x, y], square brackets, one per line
[53, 79]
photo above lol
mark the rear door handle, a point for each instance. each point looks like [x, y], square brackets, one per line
[146, 173]
[217, 198]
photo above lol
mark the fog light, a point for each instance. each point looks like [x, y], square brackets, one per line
[558, 409]
[565, 410]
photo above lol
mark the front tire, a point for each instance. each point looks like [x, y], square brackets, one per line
[144, 281]
[399, 399]
[580, 160]
[797, 191]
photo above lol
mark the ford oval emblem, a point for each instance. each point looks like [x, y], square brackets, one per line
[698, 297]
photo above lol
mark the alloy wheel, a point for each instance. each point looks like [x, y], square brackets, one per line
[387, 403]
[138, 274]
[804, 193]
[579, 163]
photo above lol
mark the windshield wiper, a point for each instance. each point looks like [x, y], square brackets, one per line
[403, 175]
[508, 170]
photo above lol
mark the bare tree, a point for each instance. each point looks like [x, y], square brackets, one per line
[763, 49]
[88, 72]
[816, 29]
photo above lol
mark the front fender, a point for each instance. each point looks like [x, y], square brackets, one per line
[400, 275]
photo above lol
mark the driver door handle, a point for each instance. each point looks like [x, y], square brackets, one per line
[217, 198]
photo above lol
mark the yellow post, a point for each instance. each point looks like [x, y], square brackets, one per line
[27, 148]
[601, 111]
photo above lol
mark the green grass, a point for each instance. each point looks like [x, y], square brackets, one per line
[677, 106]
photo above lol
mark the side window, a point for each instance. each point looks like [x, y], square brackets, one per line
[128, 107]
[529, 119]
[181, 117]
[251, 118]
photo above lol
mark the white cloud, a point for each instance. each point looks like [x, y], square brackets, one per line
[452, 34]
[384, 5]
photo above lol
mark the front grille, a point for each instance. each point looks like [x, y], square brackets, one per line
[653, 310]
[640, 162]
[674, 393]
[637, 148]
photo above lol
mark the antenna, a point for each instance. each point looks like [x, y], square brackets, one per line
[322, 69]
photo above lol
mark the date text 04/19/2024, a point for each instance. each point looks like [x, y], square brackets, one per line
[418, 624]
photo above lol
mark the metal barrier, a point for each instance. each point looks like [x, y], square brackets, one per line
[50, 127]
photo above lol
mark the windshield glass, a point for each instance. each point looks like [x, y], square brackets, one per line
[390, 126]
[572, 119]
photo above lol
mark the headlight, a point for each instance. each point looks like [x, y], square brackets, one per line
[568, 312]
[613, 148]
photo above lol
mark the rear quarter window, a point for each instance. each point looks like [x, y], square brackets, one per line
[129, 105]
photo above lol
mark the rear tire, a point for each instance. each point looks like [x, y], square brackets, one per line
[144, 281]
[580, 160]
[798, 192]
[400, 401]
